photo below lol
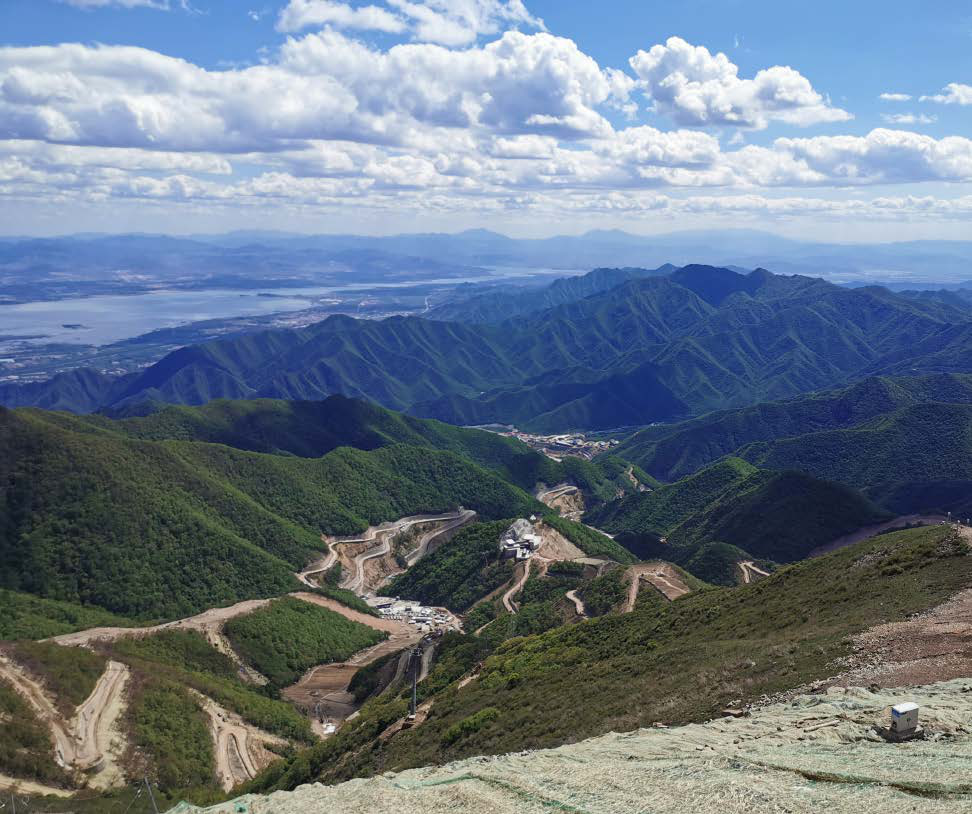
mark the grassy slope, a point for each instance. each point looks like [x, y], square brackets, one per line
[685, 660]
[288, 636]
[167, 528]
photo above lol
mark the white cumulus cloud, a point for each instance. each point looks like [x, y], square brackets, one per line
[953, 94]
[697, 88]
[895, 97]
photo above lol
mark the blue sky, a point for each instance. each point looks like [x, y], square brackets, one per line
[528, 117]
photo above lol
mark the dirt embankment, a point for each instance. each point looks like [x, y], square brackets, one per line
[240, 748]
[565, 498]
[660, 575]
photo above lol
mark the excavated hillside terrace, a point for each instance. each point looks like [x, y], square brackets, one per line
[816, 753]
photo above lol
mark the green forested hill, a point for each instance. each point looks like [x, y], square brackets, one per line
[166, 528]
[917, 458]
[671, 451]
[712, 519]
[700, 339]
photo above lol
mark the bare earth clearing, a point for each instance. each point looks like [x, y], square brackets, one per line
[933, 646]
[661, 575]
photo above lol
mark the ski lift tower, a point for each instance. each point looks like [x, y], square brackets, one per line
[415, 664]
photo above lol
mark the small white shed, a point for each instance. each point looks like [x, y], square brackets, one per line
[904, 717]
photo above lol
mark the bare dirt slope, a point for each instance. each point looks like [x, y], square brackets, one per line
[818, 753]
[660, 575]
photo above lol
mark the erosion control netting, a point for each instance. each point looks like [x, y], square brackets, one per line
[815, 754]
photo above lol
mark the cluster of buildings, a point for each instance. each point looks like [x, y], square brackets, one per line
[519, 541]
[558, 446]
[426, 619]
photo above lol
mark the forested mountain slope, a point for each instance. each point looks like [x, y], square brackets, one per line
[652, 349]
[671, 451]
[166, 528]
[916, 458]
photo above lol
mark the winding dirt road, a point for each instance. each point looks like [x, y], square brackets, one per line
[355, 580]
[43, 707]
[750, 571]
[425, 544]
[517, 586]
[578, 603]
[320, 566]
[99, 739]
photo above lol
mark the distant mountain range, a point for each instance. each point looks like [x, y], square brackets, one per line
[654, 348]
[82, 265]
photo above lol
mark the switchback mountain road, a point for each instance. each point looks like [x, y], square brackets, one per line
[99, 742]
[383, 534]
[519, 582]
[90, 741]
[239, 747]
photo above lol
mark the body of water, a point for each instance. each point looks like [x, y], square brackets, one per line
[111, 318]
